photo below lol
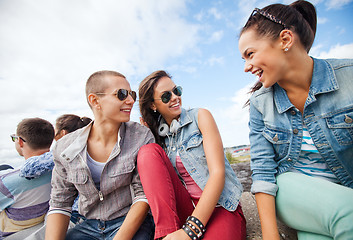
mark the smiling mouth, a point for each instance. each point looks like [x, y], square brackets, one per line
[126, 110]
[258, 73]
[177, 104]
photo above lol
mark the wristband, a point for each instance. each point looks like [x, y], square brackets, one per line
[193, 228]
[198, 223]
[190, 233]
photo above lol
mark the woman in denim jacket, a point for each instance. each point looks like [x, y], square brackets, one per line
[194, 178]
[301, 126]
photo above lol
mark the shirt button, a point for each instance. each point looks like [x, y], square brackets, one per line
[275, 138]
[289, 159]
[295, 131]
[64, 156]
[293, 112]
[348, 119]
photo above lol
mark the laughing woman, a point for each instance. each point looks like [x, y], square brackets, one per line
[193, 187]
[301, 125]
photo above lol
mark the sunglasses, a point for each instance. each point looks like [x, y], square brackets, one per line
[166, 96]
[122, 94]
[268, 16]
[14, 137]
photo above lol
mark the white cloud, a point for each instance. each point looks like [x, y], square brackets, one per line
[337, 4]
[340, 30]
[233, 121]
[49, 49]
[216, 36]
[321, 20]
[337, 51]
[215, 60]
[215, 13]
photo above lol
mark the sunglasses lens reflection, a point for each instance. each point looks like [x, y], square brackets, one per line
[178, 91]
[166, 97]
[133, 95]
[122, 94]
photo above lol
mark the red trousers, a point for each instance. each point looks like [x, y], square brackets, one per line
[171, 203]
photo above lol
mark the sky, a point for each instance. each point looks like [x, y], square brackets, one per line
[49, 48]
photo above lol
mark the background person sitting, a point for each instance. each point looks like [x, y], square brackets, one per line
[64, 124]
[67, 123]
[24, 200]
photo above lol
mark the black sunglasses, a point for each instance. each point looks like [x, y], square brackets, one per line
[166, 96]
[14, 137]
[122, 94]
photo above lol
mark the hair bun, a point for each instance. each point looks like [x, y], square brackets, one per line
[307, 10]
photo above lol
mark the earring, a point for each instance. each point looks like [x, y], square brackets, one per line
[286, 49]
[154, 110]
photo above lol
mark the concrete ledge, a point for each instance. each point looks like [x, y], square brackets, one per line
[253, 225]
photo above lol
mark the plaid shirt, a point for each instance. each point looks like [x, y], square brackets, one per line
[71, 175]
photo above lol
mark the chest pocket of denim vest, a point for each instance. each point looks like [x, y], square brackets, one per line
[341, 126]
[280, 140]
[193, 143]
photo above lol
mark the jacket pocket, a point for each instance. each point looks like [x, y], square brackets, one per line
[120, 174]
[341, 126]
[193, 141]
[193, 146]
[79, 178]
[280, 140]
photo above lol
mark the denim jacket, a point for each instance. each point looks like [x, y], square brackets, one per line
[276, 126]
[71, 175]
[188, 143]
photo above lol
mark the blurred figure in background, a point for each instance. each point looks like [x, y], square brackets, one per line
[24, 199]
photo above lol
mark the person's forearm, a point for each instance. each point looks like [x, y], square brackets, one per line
[209, 197]
[214, 153]
[133, 221]
[56, 226]
[267, 213]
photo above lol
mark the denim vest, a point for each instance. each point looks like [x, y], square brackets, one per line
[276, 126]
[188, 143]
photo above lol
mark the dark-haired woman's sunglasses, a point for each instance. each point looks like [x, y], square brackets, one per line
[122, 94]
[166, 96]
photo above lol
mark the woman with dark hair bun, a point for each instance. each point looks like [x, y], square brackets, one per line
[67, 123]
[301, 125]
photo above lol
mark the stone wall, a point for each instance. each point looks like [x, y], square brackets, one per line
[248, 204]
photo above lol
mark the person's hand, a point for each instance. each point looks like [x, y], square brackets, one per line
[177, 235]
[143, 122]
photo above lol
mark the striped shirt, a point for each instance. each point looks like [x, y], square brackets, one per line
[24, 201]
[310, 161]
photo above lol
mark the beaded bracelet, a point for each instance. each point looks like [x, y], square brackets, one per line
[190, 233]
[197, 222]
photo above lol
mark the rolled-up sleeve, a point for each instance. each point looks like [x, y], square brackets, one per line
[263, 164]
[63, 192]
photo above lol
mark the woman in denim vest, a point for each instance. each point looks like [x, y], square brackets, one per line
[301, 125]
[190, 186]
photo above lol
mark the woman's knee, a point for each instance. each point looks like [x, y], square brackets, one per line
[149, 154]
